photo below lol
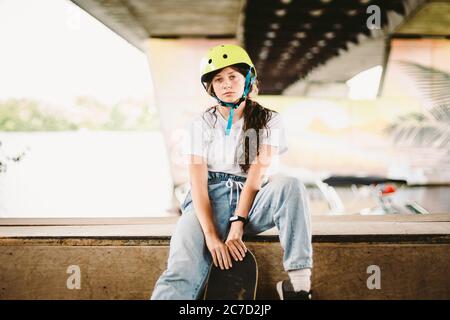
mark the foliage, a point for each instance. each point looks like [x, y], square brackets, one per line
[431, 127]
[86, 113]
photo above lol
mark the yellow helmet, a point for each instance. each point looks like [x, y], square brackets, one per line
[222, 56]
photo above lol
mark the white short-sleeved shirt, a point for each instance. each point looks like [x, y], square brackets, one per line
[206, 138]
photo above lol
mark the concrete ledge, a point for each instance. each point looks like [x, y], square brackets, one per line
[162, 227]
[124, 261]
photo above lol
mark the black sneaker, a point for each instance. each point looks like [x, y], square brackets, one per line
[286, 292]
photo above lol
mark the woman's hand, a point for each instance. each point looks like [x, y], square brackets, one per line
[234, 241]
[219, 251]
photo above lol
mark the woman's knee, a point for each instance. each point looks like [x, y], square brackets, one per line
[290, 184]
[293, 191]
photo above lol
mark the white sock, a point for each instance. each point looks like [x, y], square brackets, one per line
[300, 279]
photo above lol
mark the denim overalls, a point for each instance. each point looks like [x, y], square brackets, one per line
[282, 202]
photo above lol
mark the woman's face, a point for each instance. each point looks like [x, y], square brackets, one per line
[228, 85]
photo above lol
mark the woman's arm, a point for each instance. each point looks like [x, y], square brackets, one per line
[198, 172]
[252, 185]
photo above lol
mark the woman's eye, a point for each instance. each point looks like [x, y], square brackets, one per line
[232, 77]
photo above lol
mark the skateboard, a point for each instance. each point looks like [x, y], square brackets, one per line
[236, 283]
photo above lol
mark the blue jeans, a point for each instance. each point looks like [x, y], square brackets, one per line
[282, 202]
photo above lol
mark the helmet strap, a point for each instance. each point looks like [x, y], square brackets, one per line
[249, 80]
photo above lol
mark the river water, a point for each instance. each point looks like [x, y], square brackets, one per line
[85, 174]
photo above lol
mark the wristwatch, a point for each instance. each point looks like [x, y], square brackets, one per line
[238, 218]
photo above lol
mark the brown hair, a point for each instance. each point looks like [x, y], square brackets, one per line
[255, 116]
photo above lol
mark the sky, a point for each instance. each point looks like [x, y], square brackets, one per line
[365, 84]
[54, 51]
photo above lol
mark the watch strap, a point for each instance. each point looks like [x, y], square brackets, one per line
[238, 218]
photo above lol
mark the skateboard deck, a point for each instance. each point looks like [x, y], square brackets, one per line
[236, 283]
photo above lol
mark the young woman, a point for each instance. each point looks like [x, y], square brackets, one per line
[232, 148]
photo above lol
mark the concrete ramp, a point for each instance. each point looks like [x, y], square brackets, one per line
[355, 257]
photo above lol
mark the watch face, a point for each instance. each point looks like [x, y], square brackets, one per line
[237, 218]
